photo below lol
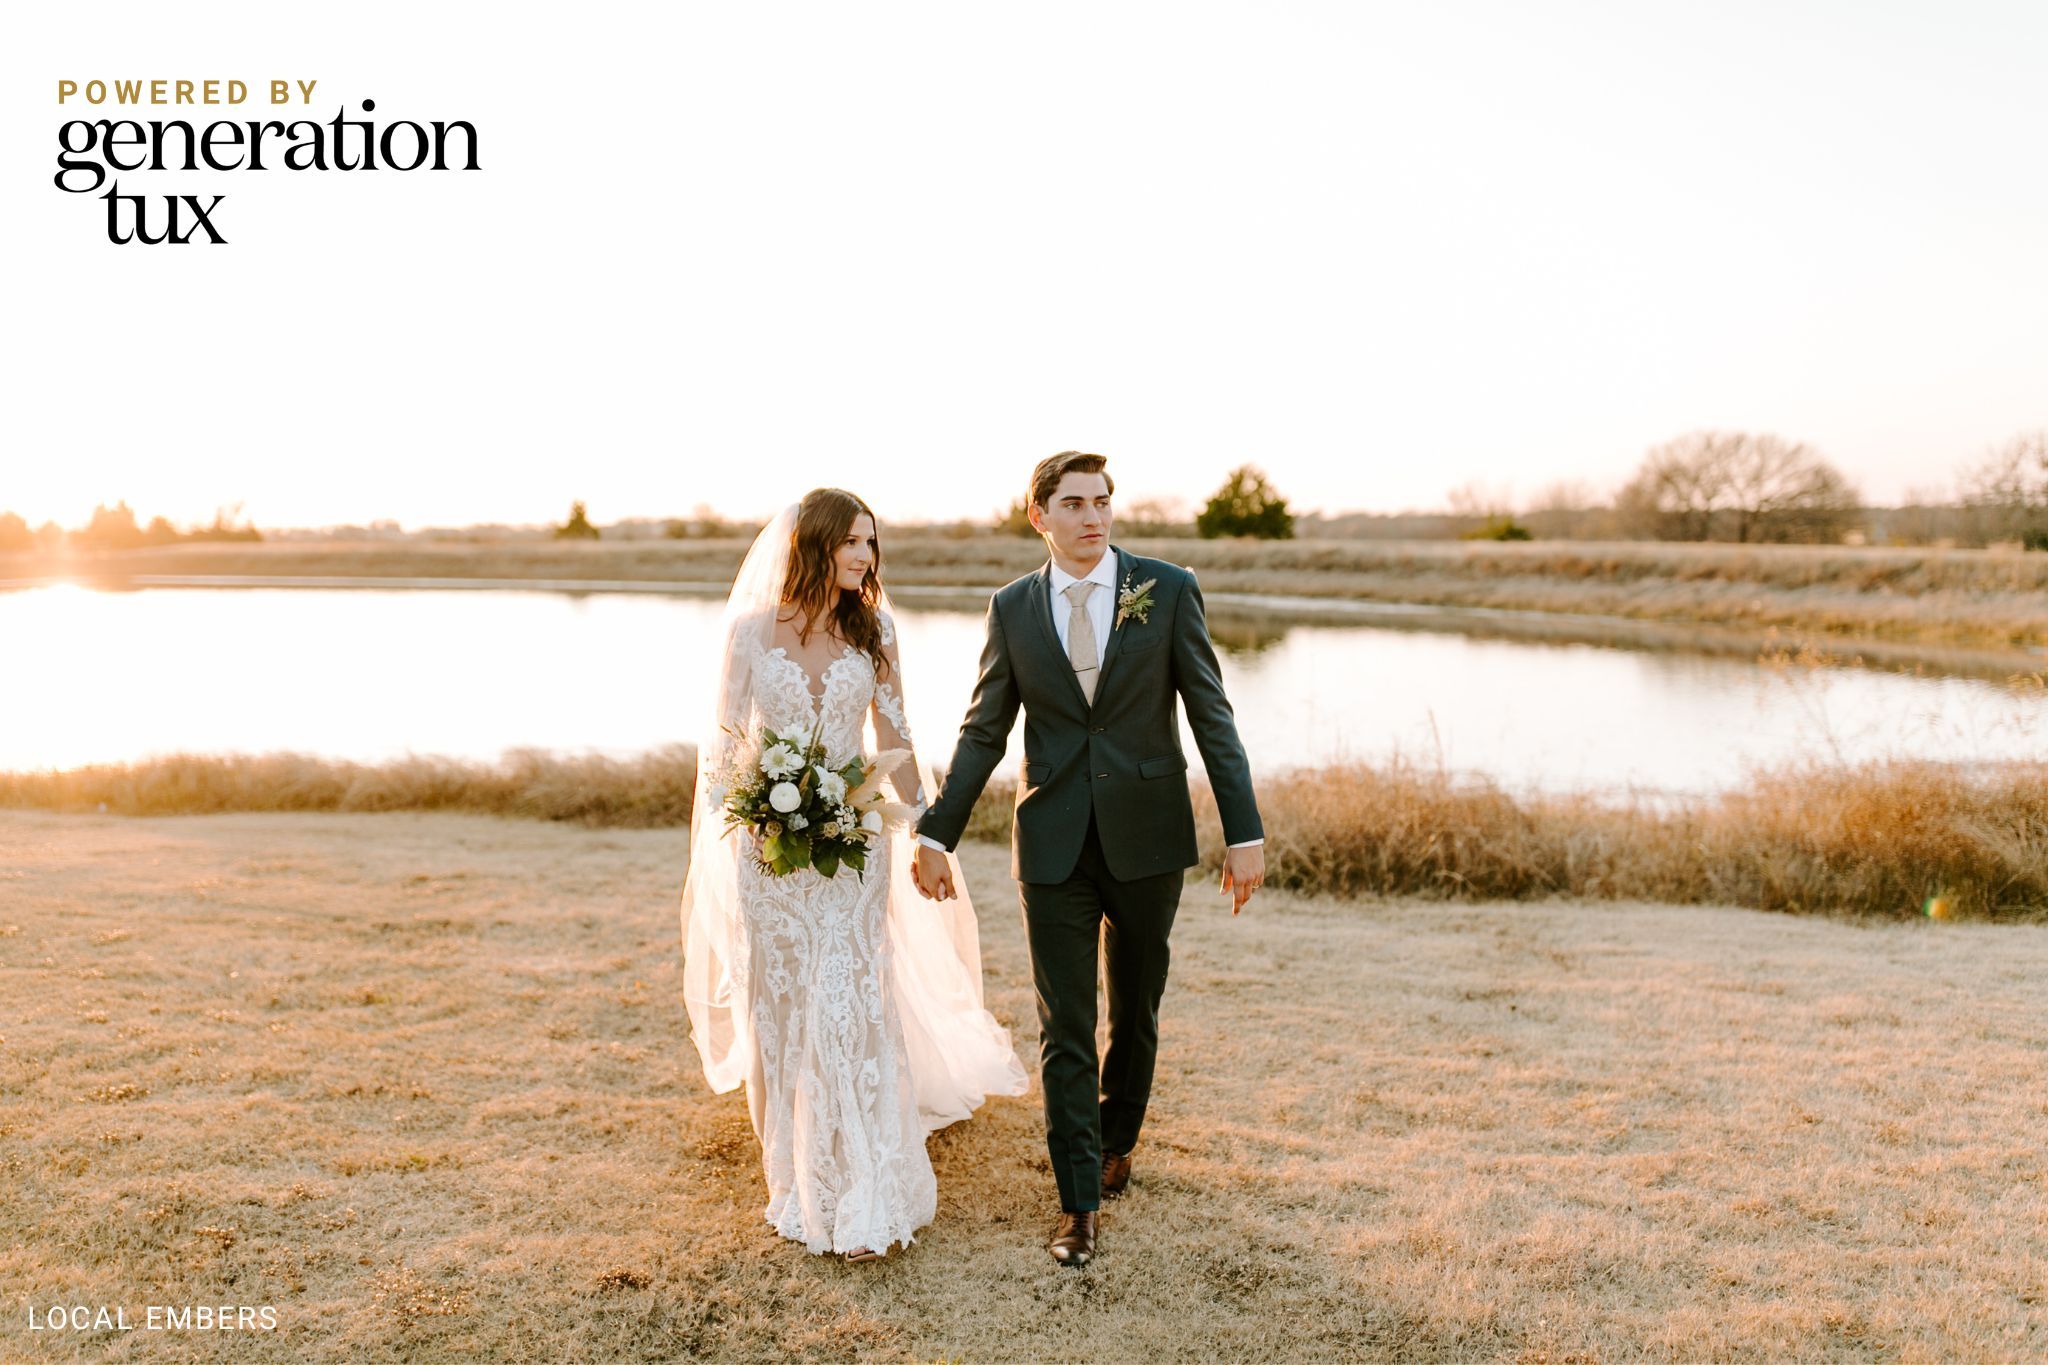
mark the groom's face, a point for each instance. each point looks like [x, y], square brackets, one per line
[1075, 519]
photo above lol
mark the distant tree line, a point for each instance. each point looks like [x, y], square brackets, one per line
[115, 528]
[2004, 496]
[1246, 505]
[702, 524]
[1734, 486]
[1740, 487]
[1751, 488]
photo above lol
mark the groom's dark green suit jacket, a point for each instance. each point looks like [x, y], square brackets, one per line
[1120, 757]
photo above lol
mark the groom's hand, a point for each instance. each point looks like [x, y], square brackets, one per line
[933, 874]
[1243, 871]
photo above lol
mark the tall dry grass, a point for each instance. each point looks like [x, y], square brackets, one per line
[1949, 597]
[652, 790]
[1891, 839]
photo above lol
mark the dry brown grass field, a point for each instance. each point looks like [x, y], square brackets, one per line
[421, 1083]
[1958, 598]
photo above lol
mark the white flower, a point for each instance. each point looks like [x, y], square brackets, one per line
[829, 830]
[872, 821]
[780, 761]
[831, 786]
[797, 822]
[784, 797]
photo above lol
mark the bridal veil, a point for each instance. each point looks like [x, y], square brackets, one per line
[957, 1053]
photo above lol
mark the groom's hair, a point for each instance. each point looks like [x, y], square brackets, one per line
[1045, 480]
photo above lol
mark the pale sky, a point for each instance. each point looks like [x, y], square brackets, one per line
[720, 253]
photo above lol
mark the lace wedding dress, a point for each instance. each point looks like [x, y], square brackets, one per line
[849, 1006]
[830, 1088]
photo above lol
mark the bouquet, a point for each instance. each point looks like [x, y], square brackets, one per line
[804, 813]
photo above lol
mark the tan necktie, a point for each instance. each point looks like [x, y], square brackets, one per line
[1081, 638]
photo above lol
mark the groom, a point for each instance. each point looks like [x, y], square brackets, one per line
[1094, 647]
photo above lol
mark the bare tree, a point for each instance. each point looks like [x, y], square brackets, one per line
[2005, 495]
[1783, 490]
[1156, 517]
[1712, 485]
[1678, 487]
[1563, 495]
[1924, 516]
[1566, 509]
[1474, 500]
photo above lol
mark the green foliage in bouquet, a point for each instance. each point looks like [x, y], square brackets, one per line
[805, 814]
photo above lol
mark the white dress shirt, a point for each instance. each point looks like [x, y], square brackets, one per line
[1101, 602]
[1101, 610]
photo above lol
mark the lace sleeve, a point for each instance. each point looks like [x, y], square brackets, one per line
[892, 730]
[722, 748]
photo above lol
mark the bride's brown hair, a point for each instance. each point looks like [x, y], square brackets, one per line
[822, 520]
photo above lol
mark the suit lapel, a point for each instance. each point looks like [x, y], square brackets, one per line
[1049, 636]
[1116, 636]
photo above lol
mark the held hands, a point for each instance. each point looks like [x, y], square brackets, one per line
[933, 873]
[1244, 869]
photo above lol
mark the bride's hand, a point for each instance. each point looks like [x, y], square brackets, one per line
[933, 874]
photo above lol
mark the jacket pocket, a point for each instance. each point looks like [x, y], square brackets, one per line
[1163, 767]
[1143, 641]
[1037, 774]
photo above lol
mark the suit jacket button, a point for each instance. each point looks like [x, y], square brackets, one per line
[1099, 729]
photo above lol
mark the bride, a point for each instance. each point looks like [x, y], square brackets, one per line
[849, 1006]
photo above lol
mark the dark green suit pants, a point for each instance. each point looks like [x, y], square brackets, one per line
[1090, 1109]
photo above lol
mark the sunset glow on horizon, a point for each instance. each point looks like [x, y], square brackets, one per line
[1380, 251]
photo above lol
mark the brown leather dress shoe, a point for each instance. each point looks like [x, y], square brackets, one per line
[1073, 1238]
[1116, 1173]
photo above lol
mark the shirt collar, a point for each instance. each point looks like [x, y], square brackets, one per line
[1104, 573]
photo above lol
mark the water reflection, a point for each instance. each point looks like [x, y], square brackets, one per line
[96, 676]
[1242, 635]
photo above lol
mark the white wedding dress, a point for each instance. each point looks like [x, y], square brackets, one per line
[829, 1087]
[849, 1006]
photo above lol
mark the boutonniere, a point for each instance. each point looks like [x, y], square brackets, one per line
[1134, 601]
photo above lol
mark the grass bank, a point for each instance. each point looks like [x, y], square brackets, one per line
[1963, 598]
[422, 1084]
[1888, 839]
[653, 790]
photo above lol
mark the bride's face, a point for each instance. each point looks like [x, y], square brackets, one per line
[856, 553]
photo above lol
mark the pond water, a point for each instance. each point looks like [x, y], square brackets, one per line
[92, 676]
